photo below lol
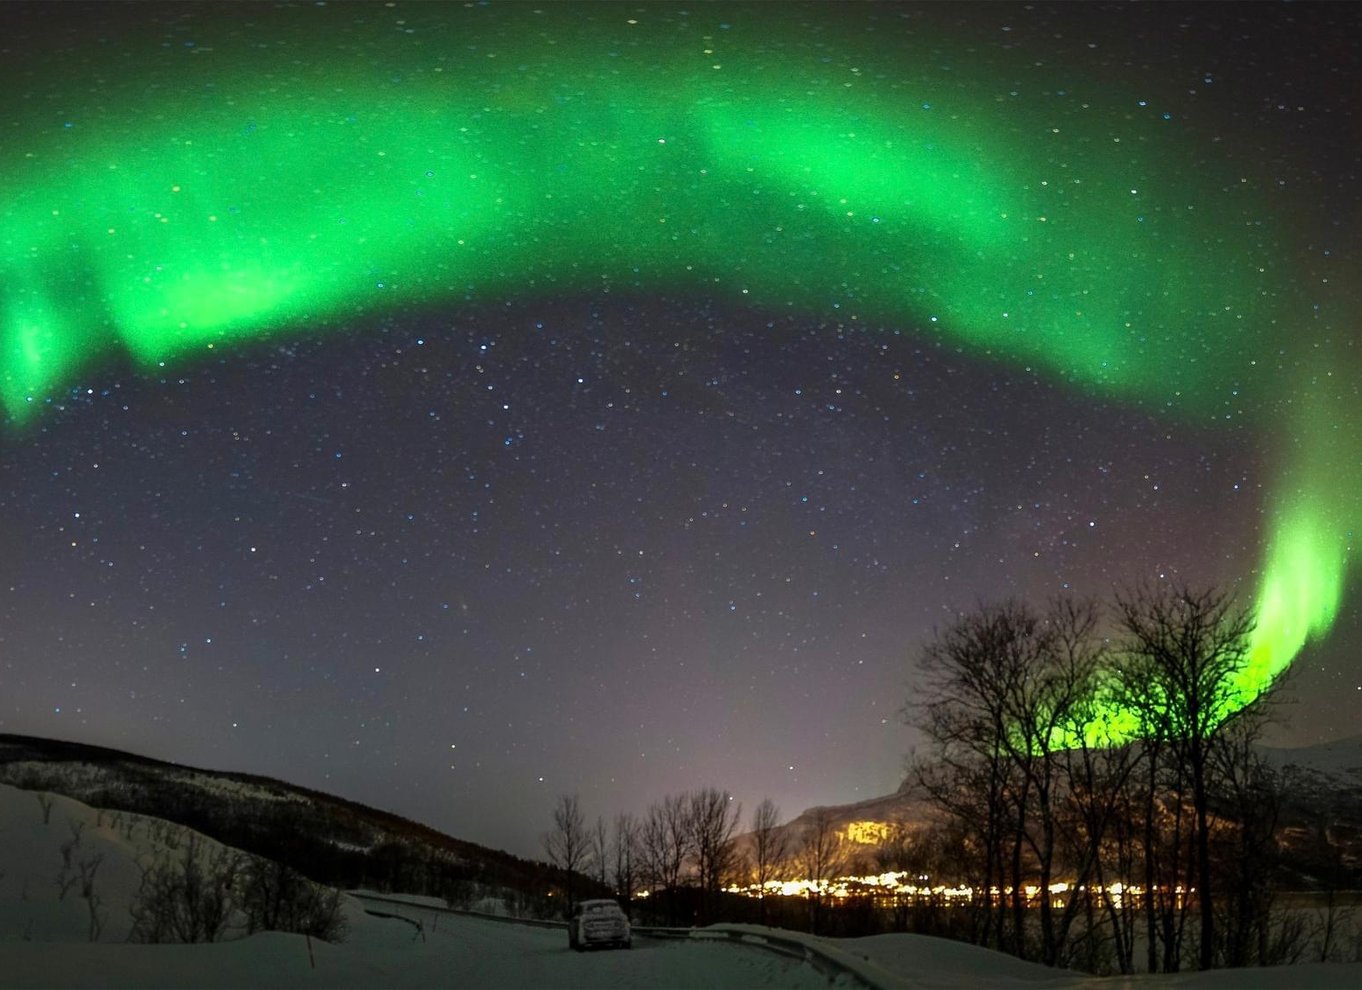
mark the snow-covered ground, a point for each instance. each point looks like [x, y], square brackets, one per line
[69, 873]
[49, 892]
[464, 952]
[63, 863]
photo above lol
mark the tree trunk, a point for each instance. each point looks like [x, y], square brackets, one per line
[1206, 955]
[1150, 878]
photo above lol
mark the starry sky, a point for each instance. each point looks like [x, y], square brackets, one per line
[606, 511]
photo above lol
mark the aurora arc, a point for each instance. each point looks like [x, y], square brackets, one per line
[237, 190]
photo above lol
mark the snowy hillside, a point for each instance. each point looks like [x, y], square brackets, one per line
[329, 838]
[1340, 758]
[72, 873]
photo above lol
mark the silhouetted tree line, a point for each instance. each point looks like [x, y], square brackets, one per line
[1110, 760]
[685, 863]
[681, 854]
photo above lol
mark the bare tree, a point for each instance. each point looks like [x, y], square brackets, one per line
[665, 845]
[568, 844]
[652, 851]
[1096, 824]
[1185, 651]
[625, 854]
[819, 856]
[898, 851]
[970, 794]
[972, 673]
[600, 851]
[770, 850]
[1248, 794]
[1012, 703]
[713, 818]
[1048, 712]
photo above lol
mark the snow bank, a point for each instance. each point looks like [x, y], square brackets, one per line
[69, 872]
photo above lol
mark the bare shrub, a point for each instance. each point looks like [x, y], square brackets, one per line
[188, 898]
[87, 868]
[94, 903]
[276, 897]
[66, 879]
[45, 802]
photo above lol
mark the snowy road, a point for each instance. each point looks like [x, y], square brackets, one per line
[472, 952]
[457, 952]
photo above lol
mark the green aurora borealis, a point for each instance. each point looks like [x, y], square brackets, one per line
[230, 190]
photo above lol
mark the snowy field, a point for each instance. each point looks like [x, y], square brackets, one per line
[380, 953]
[69, 876]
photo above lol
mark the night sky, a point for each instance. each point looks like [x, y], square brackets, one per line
[597, 513]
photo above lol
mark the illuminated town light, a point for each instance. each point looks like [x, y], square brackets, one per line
[918, 886]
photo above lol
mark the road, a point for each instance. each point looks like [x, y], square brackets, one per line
[449, 951]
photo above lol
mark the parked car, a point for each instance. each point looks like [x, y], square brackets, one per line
[598, 922]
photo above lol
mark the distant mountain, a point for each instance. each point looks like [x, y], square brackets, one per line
[1319, 819]
[329, 839]
[1340, 759]
[1321, 811]
[864, 823]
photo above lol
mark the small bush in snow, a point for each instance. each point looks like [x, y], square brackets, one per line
[187, 898]
[276, 897]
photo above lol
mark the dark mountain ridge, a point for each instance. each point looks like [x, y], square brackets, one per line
[329, 839]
